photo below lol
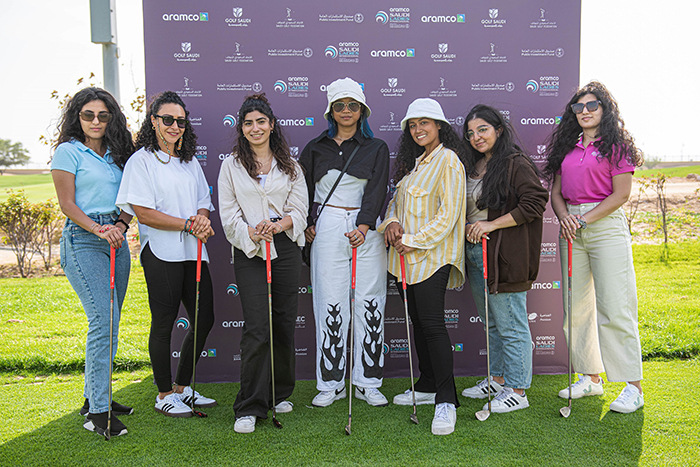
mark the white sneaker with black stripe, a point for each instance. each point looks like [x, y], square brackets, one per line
[172, 406]
[326, 398]
[481, 390]
[199, 400]
[507, 401]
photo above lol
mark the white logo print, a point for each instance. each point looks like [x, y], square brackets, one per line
[237, 12]
[493, 13]
[186, 46]
[393, 82]
[442, 48]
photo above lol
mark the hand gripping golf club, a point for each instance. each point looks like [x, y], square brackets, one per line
[566, 411]
[482, 415]
[268, 264]
[352, 334]
[198, 413]
[414, 416]
[112, 261]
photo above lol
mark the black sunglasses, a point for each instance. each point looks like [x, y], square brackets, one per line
[89, 115]
[592, 106]
[168, 120]
[340, 106]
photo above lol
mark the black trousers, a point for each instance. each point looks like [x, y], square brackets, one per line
[426, 306]
[169, 284]
[255, 396]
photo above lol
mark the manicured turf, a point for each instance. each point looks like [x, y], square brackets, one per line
[669, 172]
[37, 187]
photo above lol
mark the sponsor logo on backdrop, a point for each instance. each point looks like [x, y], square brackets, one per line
[345, 52]
[188, 90]
[221, 158]
[493, 21]
[304, 289]
[507, 87]
[240, 87]
[294, 86]
[545, 86]
[340, 18]
[543, 22]
[301, 322]
[392, 88]
[544, 345]
[400, 320]
[542, 52]
[232, 324]
[385, 348]
[392, 124]
[458, 347]
[237, 357]
[459, 121]
[550, 220]
[238, 56]
[540, 120]
[296, 122]
[505, 114]
[398, 348]
[232, 289]
[294, 152]
[182, 323]
[187, 17]
[442, 56]
[237, 19]
[388, 53]
[290, 52]
[399, 17]
[493, 55]
[554, 285]
[229, 120]
[459, 18]
[186, 54]
[532, 317]
[475, 319]
[452, 319]
[301, 351]
[443, 90]
[195, 121]
[201, 155]
[289, 21]
[548, 252]
[205, 353]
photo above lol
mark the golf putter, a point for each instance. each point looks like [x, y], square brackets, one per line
[482, 415]
[198, 413]
[414, 416]
[352, 334]
[268, 264]
[112, 261]
[566, 411]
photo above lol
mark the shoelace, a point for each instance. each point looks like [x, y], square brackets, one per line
[626, 394]
[441, 412]
[504, 394]
[174, 400]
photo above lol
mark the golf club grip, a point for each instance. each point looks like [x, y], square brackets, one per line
[112, 261]
[570, 253]
[199, 259]
[354, 266]
[483, 255]
[403, 272]
[268, 263]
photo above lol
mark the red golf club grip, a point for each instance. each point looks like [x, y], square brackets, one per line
[199, 259]
[403, 272]
[354, 266]
[267, 262]
[483, 255]
[112, 261]
[570, 248]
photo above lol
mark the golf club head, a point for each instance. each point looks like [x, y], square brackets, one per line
[199, 413]
[108, 435]
[482, 415]
[276, 422]
[414, 418]
[565, 411]
[347, 430]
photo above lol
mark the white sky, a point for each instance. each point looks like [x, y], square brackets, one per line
[646, 53]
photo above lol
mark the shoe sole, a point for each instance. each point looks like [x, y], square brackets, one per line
[480, 396]
[88, 425]
[442, 431]
[418, 402]
[580, 396]
[285, 410]
[625, 410]
[246, 431]
[174, 414]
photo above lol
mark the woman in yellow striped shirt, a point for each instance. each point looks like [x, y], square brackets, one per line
[425, 224]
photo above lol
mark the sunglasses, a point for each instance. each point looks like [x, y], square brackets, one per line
[592, 106]
[340, 106]
[168, 120]
[89, 116]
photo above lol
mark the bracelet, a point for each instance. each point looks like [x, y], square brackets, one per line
[188, 226]
[92, 229]
[364, 237]
[123, 222]
[582, 222]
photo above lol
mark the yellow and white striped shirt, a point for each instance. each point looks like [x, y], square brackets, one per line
[431, 202]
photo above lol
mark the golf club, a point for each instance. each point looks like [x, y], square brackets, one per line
[196, 317]
[566, 411]
[352, 333]
[414, 416]
[482, 415]
[112, 261]
[268, 263]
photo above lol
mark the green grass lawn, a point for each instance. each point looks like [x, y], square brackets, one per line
[670, 172]
[37, 187]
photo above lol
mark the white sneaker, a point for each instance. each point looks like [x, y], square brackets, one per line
[507, 401]
[445, 419]
[284, 407]
[629, 400]
[172, 406]
[372, 396]
[199, 400]
[583, 387]
[421, 398]
[481, 391]
[245, 424]
[326, 398]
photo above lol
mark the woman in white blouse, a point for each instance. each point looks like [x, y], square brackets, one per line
[166, 189]
[263, 198]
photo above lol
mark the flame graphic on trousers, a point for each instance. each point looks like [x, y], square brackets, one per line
[332, 347]
[372, 344]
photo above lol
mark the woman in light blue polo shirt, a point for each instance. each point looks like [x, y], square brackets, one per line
[93, 145]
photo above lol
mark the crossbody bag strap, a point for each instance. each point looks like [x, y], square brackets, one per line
[335, 185]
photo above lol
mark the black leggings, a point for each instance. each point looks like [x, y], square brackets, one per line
[169, 284]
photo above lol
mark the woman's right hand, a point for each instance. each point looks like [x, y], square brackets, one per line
[568, 226]
[111, 233]
[392, 234]
[310, 233]
[205, 234]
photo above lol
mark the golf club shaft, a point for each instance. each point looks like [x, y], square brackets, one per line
[268, 265]
[484, 257]
[196, 318]
[112, 262]
[568, 306]
[353, 277]
[408, 330]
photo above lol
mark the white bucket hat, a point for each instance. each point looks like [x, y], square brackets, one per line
[345, 87]
[424, 108]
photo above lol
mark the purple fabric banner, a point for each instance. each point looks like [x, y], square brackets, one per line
[520, 56]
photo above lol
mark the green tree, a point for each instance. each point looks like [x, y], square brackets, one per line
[11, 154]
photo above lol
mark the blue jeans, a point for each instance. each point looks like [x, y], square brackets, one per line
[85, 260]
[509, 332]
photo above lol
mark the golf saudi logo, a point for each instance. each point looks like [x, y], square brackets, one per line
[182, 323]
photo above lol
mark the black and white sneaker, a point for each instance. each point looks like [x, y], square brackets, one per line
[326, 398]
[199, 400]
[507, 401]
[97, 422]
[117, 408]
[172, 406]
[481, 390]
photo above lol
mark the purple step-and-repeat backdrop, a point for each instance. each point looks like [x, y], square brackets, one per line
[520, 56]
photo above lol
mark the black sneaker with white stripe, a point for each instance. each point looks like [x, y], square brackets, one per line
[117, 408]
[172, 406]
[508, 400]
[97, 422]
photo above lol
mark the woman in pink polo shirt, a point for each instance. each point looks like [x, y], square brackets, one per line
[591, 160]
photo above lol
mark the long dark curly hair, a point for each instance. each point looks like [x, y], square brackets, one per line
[147, 137]
[278, 143]
[409, 150]
[117, 135]
[495, 186]
[615, 141]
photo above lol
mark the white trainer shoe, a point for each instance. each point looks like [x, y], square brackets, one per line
[372, 396]
[284, 407]
[421, 398]
[507, 401]
[199, 400]
[445, 419]
[172, 406]
[481, 391]
[326, 398]
[583, 387]
[245, 424]
[629, 400]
